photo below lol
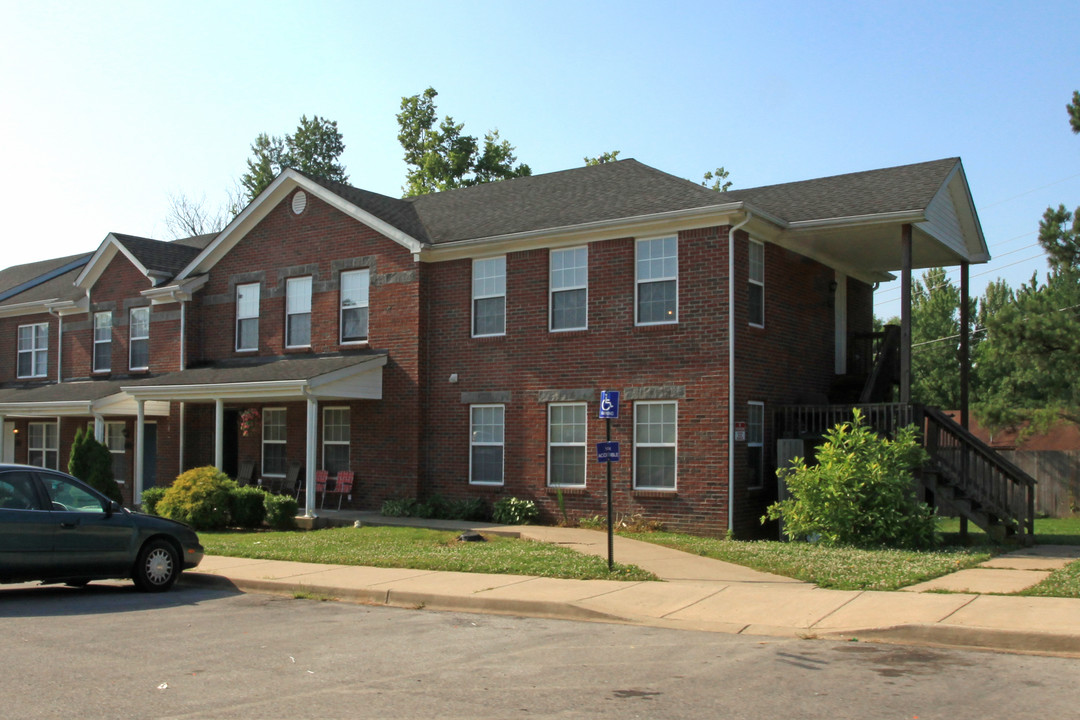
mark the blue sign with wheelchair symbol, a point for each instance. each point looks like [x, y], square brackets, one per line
[609, 404]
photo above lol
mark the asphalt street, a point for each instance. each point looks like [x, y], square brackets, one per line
[108, 651]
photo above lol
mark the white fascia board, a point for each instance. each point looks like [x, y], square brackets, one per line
[898, 216]
[64, 308]
[268, 199]
[59, 408]
[176, 292]
[27, 308]
[101, 259]
[569, 235]
[275, 390]
[122, 403]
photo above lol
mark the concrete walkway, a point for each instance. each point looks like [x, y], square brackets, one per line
[698, 594]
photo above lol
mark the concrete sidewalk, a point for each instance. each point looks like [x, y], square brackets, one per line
[698, 594]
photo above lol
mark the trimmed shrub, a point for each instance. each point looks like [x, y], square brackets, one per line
[472, 509]
[150, 499]
[280, 511]
[247, 507]
[398, 507]
[861, 492]
[514, 511]
[200, 497]
[91, 462]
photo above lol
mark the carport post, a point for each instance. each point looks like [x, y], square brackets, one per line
[309, 466]
[219, 433]
[140, 417]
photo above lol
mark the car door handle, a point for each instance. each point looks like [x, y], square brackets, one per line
[70, 525]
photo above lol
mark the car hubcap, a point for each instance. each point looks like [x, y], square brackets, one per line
[158, 566]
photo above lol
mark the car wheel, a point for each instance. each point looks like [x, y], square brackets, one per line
[157, 567]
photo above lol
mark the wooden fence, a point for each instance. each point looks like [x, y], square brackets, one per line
[1058, 475]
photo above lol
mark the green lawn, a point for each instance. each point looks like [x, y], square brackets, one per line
[418, 548]
[838, 568]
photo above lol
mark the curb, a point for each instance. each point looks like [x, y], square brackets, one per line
[414, 600]
[968, 638]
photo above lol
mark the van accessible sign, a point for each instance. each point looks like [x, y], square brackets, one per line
[607, 452]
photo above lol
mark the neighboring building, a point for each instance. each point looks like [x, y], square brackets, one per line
[456, 343]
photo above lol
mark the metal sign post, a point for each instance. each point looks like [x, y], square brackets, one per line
[608, 452]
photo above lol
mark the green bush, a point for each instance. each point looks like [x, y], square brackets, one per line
[91, 462]
[471, 509]
[514, 511]
[247, 507]
[280, 511]
[861, 492]
[399, 507]
[199, 497]
[150, 499]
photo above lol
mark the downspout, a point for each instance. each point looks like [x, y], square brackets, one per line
[731, 370]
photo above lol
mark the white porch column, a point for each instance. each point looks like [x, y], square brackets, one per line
[219, 433]
[99, 428]
[312, 447]
[140, 420]
[180, 469]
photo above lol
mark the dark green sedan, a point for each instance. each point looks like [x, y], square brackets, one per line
[57, 529]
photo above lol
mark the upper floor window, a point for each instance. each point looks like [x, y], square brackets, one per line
[139, 354]
[298, 312]
[33, 350]
[489, 296]
[655, 433]
[486, 444]
[354, 305]
[43, 445]
[102, 341]
[273, 442]
[566, 444]
[658, 281]
[570, 289]
[247, 317]
[756, 284]
[755, 442]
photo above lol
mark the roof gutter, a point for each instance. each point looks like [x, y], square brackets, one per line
[731, 368]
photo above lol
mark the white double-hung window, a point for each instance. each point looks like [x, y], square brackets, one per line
[655, 434]
[570, 289]
[657, 285]
[43, 445]
[355, 285]
[298, 312]
[273, 442]
[566, 444]
[102, 341]
[33, 350]
[335, 439]
[756, 284]
[489, 297]
[247, 317]
[486, 425]
[139, 334]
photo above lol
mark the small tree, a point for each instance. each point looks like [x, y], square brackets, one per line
[91, 462]
[861, 492]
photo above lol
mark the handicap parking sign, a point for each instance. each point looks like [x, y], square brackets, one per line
[609, 404]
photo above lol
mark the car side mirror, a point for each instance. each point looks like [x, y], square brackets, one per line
[112, 507]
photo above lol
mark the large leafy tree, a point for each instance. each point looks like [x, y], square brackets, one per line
[935, 329]
[443, 157]
[1036, 338]
[314, 148]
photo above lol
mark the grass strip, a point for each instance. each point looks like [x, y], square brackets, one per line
[420, 549]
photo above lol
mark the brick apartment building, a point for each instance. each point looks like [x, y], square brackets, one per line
[457, 343]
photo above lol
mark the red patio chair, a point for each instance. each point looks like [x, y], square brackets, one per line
[343, 485]
[320, 484]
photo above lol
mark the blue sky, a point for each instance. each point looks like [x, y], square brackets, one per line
[107, 108]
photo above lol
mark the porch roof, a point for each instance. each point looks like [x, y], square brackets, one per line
[81, 398]
[331, 377]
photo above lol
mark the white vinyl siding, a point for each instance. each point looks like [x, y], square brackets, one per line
[569, 289]
[655, 435]
[755, 442]
[102, 342]
[139, 333]
[335, 439]
[273, 442]
[489, 297]
[657, 286]
[33, 360]
[756, 284]
[567, 428]
[298, 312]
[486, 426]
[247, 317]
[43, 445]
[355, 285]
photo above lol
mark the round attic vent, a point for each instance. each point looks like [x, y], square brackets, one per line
[299, 202]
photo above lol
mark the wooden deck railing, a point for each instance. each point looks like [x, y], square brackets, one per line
[811, 421]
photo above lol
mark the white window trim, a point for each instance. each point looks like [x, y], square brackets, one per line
[97, 342]
[255, 317]
[347, 443]
[583, 444]
[45, 449]
[342, 308]
[552, 290]
[289, 282]
[473, 443]
[755, 281]
[132, 338]
[638, 282]
[105, 437]
[475, 297]
[34, 351]
[265, 442]
[675, 446]
[758, 443]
